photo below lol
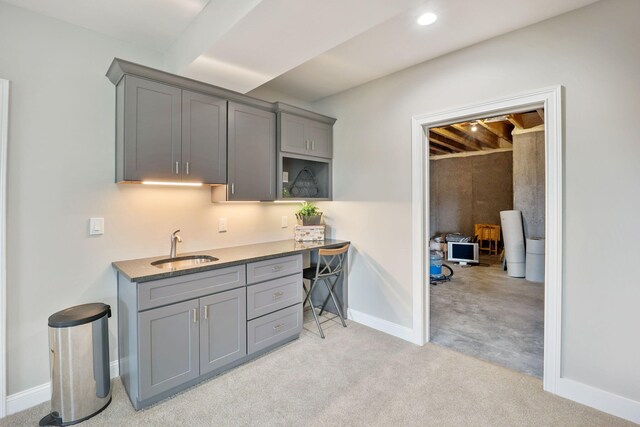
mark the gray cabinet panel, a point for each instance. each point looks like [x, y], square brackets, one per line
[251, 165]
[152, 130]
[320, 137]
[167, 291]
[301, 135]
[223, 337]
[273, 328]
[273, 268]
[204, 138]
[169, 356]
[267, 297]
[292, 134]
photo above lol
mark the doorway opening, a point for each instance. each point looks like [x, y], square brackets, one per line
[486, 192]
[550, 100]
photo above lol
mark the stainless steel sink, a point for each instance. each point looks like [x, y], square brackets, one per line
[183, 261]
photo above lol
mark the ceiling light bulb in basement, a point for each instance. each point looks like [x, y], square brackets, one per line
[474, 127]
[427, 18]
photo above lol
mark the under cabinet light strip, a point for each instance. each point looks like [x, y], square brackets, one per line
[183, 184]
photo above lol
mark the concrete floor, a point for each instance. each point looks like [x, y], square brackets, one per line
[485, 313]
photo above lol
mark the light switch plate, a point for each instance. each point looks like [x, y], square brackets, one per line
[284, 222]
[96, 226]
[285, 176]
[222, 225]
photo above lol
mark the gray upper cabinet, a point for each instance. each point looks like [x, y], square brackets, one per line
[165, 133]
[204, 138]
[151, 137]
[169, 345]
[301, 135]
[223, 335]
[251, 158]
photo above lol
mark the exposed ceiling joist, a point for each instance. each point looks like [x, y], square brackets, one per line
[499, 129]
[457, 136]
[485, 138]
[446, 143]
[490, 134]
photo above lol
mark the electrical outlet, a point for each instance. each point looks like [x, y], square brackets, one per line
[222, 225]
[284, 222]
[96, 226]
[285, 176]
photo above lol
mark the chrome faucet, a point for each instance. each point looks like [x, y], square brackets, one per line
[175, 239]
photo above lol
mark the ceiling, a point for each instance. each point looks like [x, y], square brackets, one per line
[483, 134]
[304, 49]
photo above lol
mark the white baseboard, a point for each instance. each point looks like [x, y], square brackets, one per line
[599, 399]
[382, 325]
[42, 393]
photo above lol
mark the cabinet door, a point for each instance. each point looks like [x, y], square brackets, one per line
[152, 123]
[204, 138]
[252, 153]
[320, 137]
[292, 134]
[223, 329]
[168, 339]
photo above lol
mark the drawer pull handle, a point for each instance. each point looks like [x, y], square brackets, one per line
[206, 312]
[278, 327]
[276, 268]
[195, 315]
[278, 295]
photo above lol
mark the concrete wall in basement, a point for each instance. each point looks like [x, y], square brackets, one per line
[469, 190]
[528, 180]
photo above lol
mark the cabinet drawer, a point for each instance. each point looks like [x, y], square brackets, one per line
[273, 328]
[267, 297]
[273, 268]
[175, 289]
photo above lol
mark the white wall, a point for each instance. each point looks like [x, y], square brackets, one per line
[593, 53]
[61, 172]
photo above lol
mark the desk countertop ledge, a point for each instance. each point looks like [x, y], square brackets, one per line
[141, 270]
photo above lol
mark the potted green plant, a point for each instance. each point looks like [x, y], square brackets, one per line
[308, 214]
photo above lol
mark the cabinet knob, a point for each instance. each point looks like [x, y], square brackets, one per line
[276, 268]
[277, 295]
[278, 326]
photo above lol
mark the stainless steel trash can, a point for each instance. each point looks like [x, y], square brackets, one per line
[79, 361]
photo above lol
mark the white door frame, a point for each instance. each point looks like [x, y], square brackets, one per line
[4, 135]
[551, 99]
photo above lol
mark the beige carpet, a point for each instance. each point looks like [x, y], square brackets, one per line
[355, 377]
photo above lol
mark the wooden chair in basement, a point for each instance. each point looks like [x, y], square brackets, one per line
[328, 271]
[488, 237]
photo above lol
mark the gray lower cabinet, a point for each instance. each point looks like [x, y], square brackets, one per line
[164, 133]
[177, 331]
[223, 337]
[180, 342]
[268, 330]
[169, 347]
[251, 158]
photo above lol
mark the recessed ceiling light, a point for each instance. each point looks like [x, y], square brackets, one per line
[427, 18]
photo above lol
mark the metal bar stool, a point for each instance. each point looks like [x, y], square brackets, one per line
[328, 270]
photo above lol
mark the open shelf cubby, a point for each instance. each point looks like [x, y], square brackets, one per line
[293, 166]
